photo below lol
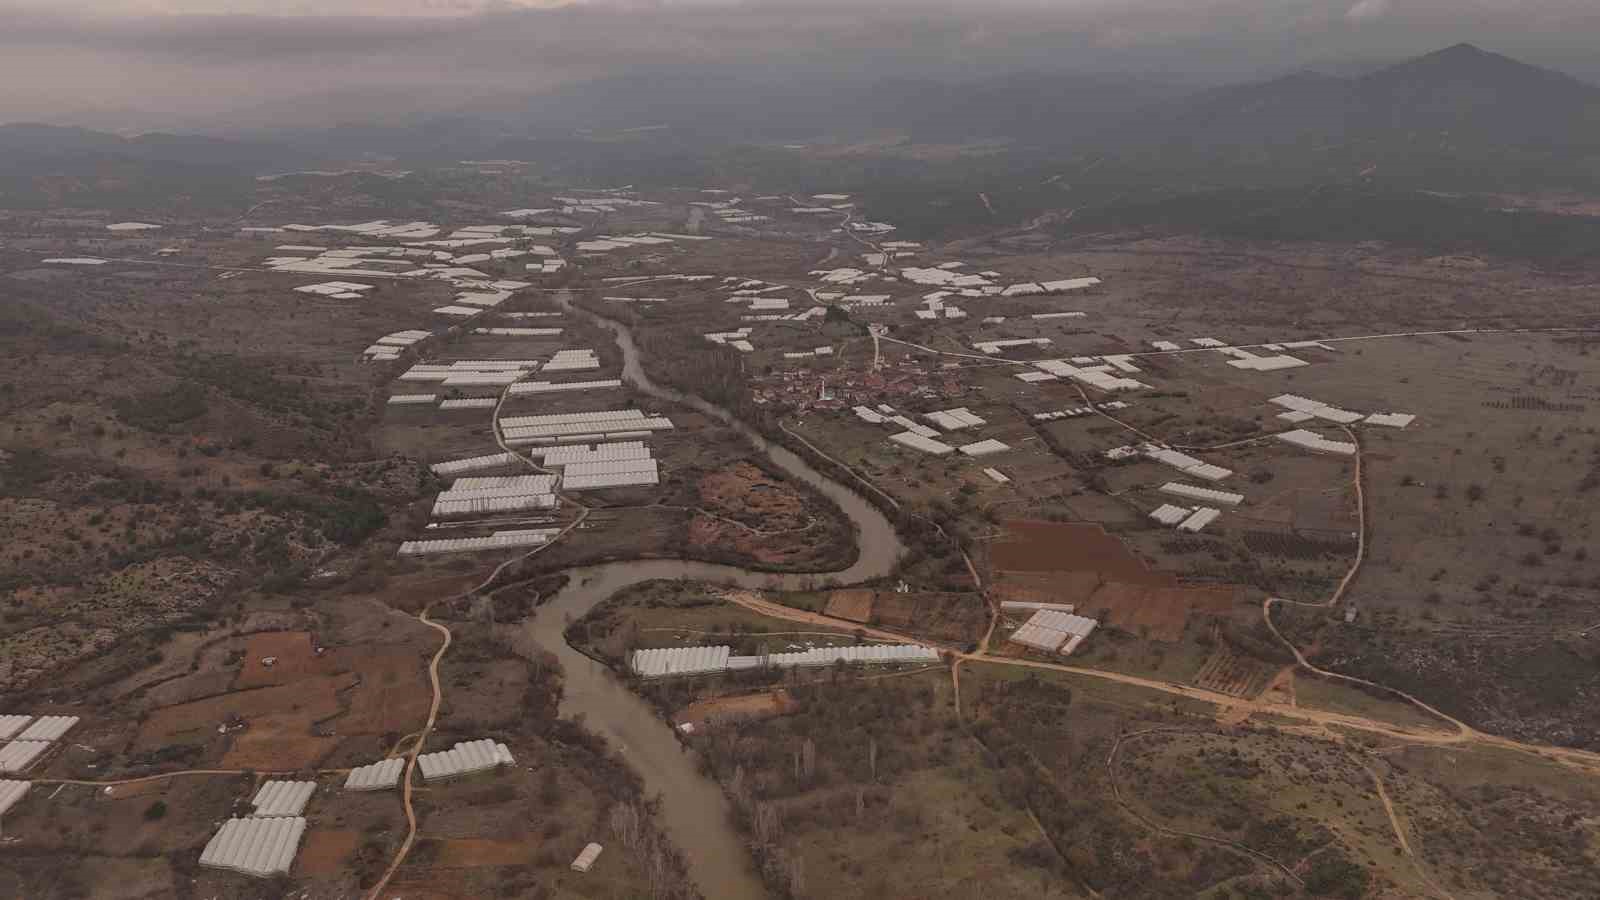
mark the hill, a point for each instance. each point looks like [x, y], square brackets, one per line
[1461, 116]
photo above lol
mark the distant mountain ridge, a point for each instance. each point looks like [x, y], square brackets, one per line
[1458, 118]
[36, 146]
[1457, 111]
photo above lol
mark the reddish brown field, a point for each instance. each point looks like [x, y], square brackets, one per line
[1069, 546]
[1158, 614]
[280, 709]
[278, 744]
[393, 694]
[704, 713]
[1055, 587]
[326, 851]
[1080, 564]
[854, 605]
[293, 654]
[955, 617]
[465, 853]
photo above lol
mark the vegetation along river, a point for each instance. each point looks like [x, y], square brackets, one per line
[694, 809]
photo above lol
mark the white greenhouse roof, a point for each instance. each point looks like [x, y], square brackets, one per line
[475, 463]
[500, 540]
[474, 506]
[381, 775]
[260, 847]
[1167, 514]
[953, 419]
[997, 476]
[918, 442]
[48, 728]
[1200, 519]
[600, 481]
[1267, 363]
[463, 759]
[505, 485]
[283, 798]
[680, 661]
[548, 387]
[611, 467]
[984, 448]
[1310, 440]
[865, 653]
[1202, 493]
[585, 453]
[586, 859]
[18, 755]
[1049, 629]
[1316, 408]
[10, 725]
[1393, 420]
[11, 792]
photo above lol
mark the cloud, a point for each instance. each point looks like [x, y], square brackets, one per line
[151, 54]
[1368, 10]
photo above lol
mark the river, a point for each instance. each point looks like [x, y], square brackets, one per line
[694, 810]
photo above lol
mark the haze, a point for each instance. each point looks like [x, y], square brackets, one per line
[139, 64]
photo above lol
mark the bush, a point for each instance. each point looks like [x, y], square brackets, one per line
[155, 811]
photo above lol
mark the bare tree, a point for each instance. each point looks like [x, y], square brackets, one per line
[769, 825]
[625, 824]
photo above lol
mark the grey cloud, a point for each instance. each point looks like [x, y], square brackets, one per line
[241, 59]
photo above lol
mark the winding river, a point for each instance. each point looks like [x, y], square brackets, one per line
[694, 810]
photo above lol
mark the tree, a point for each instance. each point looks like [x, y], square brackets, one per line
[155, 811]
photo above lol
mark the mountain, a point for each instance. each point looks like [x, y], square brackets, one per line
[34, 148]
[1461, 114]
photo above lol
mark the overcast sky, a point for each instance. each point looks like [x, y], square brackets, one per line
[157, 59]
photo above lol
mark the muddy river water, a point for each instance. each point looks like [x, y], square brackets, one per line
[694, 810]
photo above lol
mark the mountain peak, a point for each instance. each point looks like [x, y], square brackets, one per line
[1465, 63]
